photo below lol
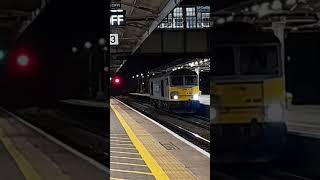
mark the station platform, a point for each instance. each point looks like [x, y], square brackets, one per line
[88, 103]
[141, 148]
[28, 153]
[304, 120]
[204, 98]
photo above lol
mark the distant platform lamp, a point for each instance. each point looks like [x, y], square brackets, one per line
[88, 46]
[101, 94]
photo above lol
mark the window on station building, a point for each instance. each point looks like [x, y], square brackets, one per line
[203, 16]
[166, 22]
[191, 19]
[169, 25]
[178, 18]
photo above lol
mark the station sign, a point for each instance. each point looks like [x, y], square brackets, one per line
[117, 17]
[114, 39]
[115, 4]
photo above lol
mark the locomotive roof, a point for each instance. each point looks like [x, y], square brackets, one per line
[241, 33]
[176, 73]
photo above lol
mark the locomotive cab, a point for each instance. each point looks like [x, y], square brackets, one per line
[248, 94]
[177, 91]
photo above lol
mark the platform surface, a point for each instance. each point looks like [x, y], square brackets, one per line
[27, 154]
[304, 120]
[165, 155]
[205, 99]
[8, 167]
[89, 103]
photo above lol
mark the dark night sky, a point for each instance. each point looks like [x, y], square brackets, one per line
[68, 23]
[303, 68]
[141, 64]
[49, 39]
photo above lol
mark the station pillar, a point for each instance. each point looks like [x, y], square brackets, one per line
[279, 31]
[198, 73]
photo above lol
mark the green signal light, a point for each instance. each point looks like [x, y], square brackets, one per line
[2, 54]
[110, 78]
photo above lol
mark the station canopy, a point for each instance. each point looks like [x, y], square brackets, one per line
[202, 64]
[142, 18]
[297, 15]
[16, 15]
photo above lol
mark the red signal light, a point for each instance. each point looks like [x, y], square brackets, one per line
[117, 81]
[23, 60]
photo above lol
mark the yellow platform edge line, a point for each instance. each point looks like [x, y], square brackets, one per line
[128, 164]
[25, 167]
[153, 165]
[112, 178]
[132, 172]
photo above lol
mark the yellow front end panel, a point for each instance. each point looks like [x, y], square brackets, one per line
[239, 94]
[274, 91]
[243, 102]
[233, 115]
[184, 93]
[238, 102]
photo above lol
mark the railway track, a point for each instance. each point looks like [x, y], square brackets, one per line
[190, 118]
[257, 175]
[196, 120]
[197, 133]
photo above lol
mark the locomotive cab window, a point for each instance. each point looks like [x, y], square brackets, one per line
[177, 80]
[162, 89]
[191, 80]
[259, 60]
[223, 61]
[151, 88]
[246, 60]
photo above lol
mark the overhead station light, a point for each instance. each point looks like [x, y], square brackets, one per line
[276, 5]
[230, 18]
[291, 2]
[221, 21]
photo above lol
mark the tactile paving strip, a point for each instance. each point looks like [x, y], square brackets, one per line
[171, 166]
[125, 161]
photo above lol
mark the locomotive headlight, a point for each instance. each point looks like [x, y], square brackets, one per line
[196, 97]
[175, 97]
[275, 112]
